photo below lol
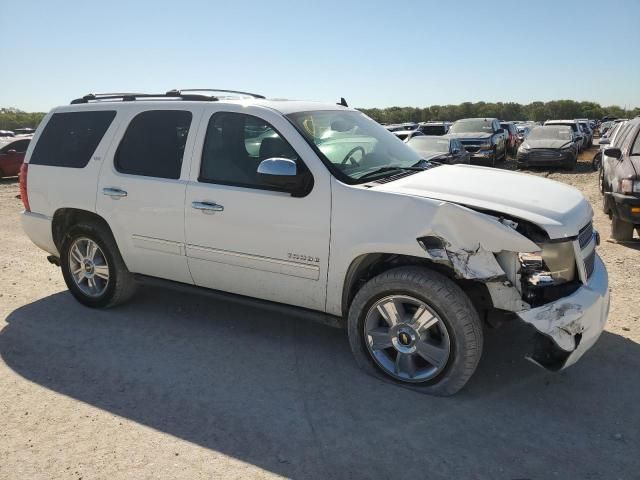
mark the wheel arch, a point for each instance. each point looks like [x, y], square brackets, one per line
[65, 218]
[369, 265]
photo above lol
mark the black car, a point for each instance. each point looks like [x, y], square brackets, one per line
[483, 138]
[440, 149]
[549, 146]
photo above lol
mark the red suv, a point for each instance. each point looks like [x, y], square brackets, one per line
[12, 156]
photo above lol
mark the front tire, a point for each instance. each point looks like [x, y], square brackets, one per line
[93, 268]
[621, 231]
[417, 328]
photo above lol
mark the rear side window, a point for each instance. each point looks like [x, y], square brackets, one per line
[69, 139]
[153, 145]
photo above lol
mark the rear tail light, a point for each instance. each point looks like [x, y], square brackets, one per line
[23, 186]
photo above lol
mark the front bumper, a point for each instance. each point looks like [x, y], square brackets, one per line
[623, 204]
[573, 324]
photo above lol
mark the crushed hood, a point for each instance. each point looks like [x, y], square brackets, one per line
[557, 208]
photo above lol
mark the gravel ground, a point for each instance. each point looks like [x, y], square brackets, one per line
[177, 385]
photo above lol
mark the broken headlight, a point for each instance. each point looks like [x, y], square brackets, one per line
[554, 264]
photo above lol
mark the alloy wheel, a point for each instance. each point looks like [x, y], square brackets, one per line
[406, 338]
[89, 267]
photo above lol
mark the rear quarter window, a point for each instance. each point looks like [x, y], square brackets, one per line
[69, 139]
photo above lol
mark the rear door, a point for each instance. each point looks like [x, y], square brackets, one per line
[243, 236]
[142, 186]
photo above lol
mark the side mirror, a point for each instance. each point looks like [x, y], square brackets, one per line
[614, 153]
[281, 173]
[605, 141]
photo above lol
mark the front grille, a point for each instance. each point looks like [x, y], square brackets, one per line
[545, 155]
[589, 262]
[585, 234]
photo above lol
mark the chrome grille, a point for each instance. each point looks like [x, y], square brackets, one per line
[544, 155]
[589, 262]
[585, 234]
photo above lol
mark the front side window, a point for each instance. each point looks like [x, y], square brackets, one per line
[69, 139]
[354, 147]
[153, 145]
[235, 145]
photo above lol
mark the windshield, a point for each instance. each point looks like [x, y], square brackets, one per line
[354, 144]
[550, 133]
[472, 125]
[426, 144]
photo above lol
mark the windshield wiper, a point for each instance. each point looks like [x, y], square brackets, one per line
[389, 169]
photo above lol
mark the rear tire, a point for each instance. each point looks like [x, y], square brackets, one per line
[621, 231]
[444, 303]
[101, 280]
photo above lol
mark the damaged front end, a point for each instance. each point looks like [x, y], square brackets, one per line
[560, 287]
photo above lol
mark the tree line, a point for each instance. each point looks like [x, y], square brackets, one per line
[536, 111]
[11, 118]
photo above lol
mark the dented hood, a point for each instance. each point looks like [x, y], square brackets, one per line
[557, 208]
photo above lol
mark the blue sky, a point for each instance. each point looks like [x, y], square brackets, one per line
[374, 53]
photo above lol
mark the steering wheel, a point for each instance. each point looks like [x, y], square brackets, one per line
[349, 157]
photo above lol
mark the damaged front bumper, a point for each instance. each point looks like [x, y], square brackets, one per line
[570, 325]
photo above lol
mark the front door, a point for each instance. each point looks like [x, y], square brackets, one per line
[243, 236]
[142, 187]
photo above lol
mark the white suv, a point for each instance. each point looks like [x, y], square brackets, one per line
[320, 208]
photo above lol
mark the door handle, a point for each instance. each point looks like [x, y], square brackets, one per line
[114, 192]
[207, 206]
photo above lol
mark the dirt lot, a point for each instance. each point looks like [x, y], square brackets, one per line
[177, 385]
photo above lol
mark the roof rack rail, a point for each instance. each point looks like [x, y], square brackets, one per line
[131, 96]
[184, 94]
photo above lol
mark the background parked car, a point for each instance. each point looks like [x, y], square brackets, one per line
[406, 135]
[443, 149]
[620, 181]
[579, 136]
[523, 131]
[586, 129]
[483, 138]
[606, 140]
[435, 128]
[12, 156]
[551, 145]
[6, 133]
[513, 142]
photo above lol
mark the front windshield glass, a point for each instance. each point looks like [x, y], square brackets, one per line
[355, 145]
[550, 133]
[471, 126]
[426, 144]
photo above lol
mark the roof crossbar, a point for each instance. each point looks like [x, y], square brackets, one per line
[248, 94]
